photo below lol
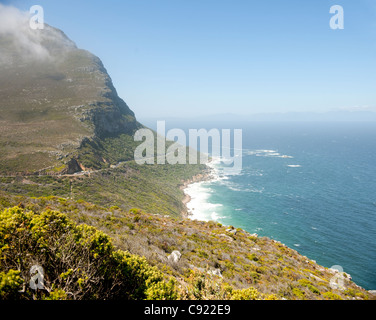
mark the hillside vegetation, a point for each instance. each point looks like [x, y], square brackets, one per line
[216, 262]
[153, 188]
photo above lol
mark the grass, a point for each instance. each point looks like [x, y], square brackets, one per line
[153, 188]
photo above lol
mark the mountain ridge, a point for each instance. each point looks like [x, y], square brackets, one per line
[64, 96]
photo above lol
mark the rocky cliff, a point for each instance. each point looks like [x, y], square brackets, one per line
[55, 100]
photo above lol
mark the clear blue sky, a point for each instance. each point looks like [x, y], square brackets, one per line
[184, 57]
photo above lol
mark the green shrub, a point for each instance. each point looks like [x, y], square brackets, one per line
[57, 294]
[250, 294]
[304, 282]
[253, 257]
[245, 294]
[162, 291]
[331, 296]
[10, 284]
[298, 293]
[313, 289]
[79, 261]
[308, 284]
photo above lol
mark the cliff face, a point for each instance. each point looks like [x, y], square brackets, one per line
[53, 97]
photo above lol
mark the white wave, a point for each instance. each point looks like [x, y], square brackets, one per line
[199, 208]
[221, 171]
[266, 153]
[294, 166]
[260, 152]
[239, 187]
[215, 216]
[253, 173]
[249, 152]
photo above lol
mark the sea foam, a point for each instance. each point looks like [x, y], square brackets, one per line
[199, 207]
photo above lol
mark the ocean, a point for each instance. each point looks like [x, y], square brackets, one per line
[309, 185]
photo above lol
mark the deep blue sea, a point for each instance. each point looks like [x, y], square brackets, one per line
[311, 186]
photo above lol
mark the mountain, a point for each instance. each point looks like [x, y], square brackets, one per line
[56, 100]
[64, 127]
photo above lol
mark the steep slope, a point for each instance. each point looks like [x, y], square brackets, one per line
[211, 261]
[60, 115]
[57, 103]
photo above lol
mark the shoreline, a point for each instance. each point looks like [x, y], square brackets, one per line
[207, 175]
[201, 177]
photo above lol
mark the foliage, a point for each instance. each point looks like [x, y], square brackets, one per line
[79, 261]
[212, 265]
[200, 285]
[246, 294]
[331, 296]
[162, 291]
[152, 188]
[10, 284]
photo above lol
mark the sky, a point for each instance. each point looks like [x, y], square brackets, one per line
[201, 57]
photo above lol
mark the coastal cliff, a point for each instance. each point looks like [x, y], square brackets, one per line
[57, 103]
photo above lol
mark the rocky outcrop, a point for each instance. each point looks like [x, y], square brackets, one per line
[72, 167]
[111, 119]
[174, 257]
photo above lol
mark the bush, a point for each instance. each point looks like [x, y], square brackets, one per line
[246, 294]
[10, 284]
[308, 284]
[298, 293]
[250, 294]
[79, 262]
[162, 291]
[331, 296]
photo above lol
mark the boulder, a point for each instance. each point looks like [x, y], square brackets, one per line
[174, 256]
[216, 272]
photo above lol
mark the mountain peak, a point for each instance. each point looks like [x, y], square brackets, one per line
[53, 97]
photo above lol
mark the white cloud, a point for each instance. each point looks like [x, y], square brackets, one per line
[27, 43]
[14, 25]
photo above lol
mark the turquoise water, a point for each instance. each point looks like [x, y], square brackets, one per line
[311, 186]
